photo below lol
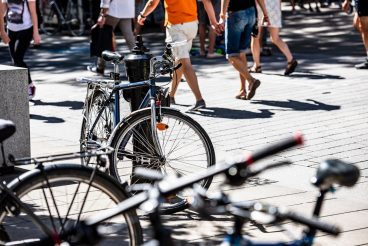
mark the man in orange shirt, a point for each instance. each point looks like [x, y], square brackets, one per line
[181, 28]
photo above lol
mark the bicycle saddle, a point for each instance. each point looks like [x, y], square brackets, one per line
[114, 57]
[335, 171]
[7, 128]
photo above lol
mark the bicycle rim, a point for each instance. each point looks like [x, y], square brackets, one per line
[50, 20]
[66, 199]
[186, 146]
[98, 136]
[74, 17]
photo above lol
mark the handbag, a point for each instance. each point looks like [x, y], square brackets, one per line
[101, 39]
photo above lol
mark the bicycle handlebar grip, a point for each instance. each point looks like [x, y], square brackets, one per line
[296, 140]
[312, 223]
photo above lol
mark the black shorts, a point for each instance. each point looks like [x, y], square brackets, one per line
[361, 7]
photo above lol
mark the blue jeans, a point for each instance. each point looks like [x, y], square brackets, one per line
[238, 28]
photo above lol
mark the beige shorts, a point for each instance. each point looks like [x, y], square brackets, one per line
[180, 36]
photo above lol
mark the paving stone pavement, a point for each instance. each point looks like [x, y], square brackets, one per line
[325, 99]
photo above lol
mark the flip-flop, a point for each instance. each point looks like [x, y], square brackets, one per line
[252, 88]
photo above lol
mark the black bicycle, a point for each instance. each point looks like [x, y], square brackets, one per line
[154, 136]
[47, 200]
[57, 15]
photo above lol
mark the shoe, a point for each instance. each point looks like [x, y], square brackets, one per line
[214, 55]
[173, 204]
[255, 69]
[31, 91]
[241, 96]
[172, 100]
[199, 104]
[252, 88]
[95, 69]
[291, 67]
[363, 65]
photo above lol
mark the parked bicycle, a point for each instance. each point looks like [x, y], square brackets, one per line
[155, 137]
[150, 199]
[45, 201]
[57, 15]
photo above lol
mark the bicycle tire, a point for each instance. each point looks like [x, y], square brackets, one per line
[184, 143]
[104, 193]
[74, 17]
[104, 126]
[51, 22]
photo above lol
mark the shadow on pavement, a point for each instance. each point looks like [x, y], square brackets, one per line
[233, 113]
[74, 105]
[307, 74]
[46, 119]
[298, 106]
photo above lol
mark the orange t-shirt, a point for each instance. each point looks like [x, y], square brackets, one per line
[180, 11]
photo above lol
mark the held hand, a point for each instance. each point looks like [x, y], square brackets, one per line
[141, 20]
[101, 21]
[221, 24]
[345, 6]
[217, 28]
[265, 21]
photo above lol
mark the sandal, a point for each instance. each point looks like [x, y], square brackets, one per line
[252, 88]
[241, 97]
[255, 69]
[291, 67]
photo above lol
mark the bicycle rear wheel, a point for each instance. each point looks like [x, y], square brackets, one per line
[185, 145]
[74, 17]
[50, 23]
[98, 136]
[67, 193]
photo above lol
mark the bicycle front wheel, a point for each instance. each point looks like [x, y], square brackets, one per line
[185, 145]
[67, 193]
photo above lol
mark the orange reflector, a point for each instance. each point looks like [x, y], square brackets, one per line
[161, 126]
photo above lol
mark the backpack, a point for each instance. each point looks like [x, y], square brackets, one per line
[15, 11]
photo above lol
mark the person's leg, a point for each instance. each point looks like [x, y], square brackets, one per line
[212, 41]
[284, 48]
[176, 81]
[191, 77]
[202, 38]
[125, 26]
[18, 46]
[364, 31]
[256, 52]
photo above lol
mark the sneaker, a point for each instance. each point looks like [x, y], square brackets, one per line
[173, 204]
[95, 69]
[214, 55]
[31, 91]
[363, 65]
[199, 104]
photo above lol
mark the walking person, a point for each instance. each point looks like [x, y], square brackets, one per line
[360, 24]
[239, 17]
[22, 26]
[116, 13]
[181, 23]
[273, 8]
[3, 35]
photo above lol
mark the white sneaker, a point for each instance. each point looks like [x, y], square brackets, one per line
[31, 91]
[214, 55]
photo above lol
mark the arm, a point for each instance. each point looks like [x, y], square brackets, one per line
[3, 35]
[211, 16]
[224, 6]
[32, 10]
[264, 10]
[345, 5]
[148, 9]
[104, 5]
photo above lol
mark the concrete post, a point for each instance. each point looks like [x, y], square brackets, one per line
[14, 106]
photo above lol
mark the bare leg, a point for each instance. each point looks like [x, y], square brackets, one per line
[190, 76]
[240, 64]
[212, 41]
[363, 29]
[275, 38]
[202, 38]
[256, 49]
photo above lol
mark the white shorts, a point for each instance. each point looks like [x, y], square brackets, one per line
[180, 36]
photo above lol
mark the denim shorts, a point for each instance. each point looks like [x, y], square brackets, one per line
[238, 28]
